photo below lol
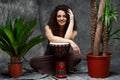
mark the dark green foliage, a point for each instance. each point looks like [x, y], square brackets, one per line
[15, 38]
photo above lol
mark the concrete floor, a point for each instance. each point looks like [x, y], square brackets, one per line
[82, 75]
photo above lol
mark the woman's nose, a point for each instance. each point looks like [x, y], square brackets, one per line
[61, 18]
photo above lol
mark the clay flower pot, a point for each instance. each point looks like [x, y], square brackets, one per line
[15, 70]
[98, 66]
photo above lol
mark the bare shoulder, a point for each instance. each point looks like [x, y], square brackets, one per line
[75, 32]
[47, 27]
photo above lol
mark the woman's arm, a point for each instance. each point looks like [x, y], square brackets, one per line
[70, 33]
[53, 38]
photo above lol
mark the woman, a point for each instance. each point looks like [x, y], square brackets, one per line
[62, 28]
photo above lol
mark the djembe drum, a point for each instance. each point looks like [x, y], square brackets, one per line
[60, 51]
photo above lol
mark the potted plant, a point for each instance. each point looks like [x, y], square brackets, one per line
[99, 59]
[16, 42]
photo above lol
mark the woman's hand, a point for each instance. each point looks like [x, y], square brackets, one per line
[76, 49]
[71, 14]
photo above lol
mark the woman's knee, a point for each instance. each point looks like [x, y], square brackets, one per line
[34, 61]
[31, 62]
[77, 57]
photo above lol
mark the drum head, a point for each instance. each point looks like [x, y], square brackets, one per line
[59, 43]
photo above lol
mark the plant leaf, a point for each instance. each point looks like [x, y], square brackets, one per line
[32, 42]
[115, 32]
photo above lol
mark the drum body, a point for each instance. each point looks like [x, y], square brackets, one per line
[60, 51]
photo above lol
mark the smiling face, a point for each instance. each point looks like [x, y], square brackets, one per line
[61, 18]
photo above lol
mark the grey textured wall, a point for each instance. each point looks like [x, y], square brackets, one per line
[42, 9]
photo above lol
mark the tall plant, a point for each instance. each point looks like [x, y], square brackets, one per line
[15, 38]
[103, 25]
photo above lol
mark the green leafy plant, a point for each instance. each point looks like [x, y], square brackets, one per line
[15, 38]
[102, 28]
[101, 33]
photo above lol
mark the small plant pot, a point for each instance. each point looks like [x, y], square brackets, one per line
[98, 66]
[15, 70]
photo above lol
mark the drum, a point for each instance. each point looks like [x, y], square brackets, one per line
[60, 51]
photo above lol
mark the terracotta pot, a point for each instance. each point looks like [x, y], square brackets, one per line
[15, 70]
[98, 66]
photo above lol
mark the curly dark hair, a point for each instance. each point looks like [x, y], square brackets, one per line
[53, 21]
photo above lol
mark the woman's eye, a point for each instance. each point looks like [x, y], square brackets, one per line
[64, 16]
[58, 16]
